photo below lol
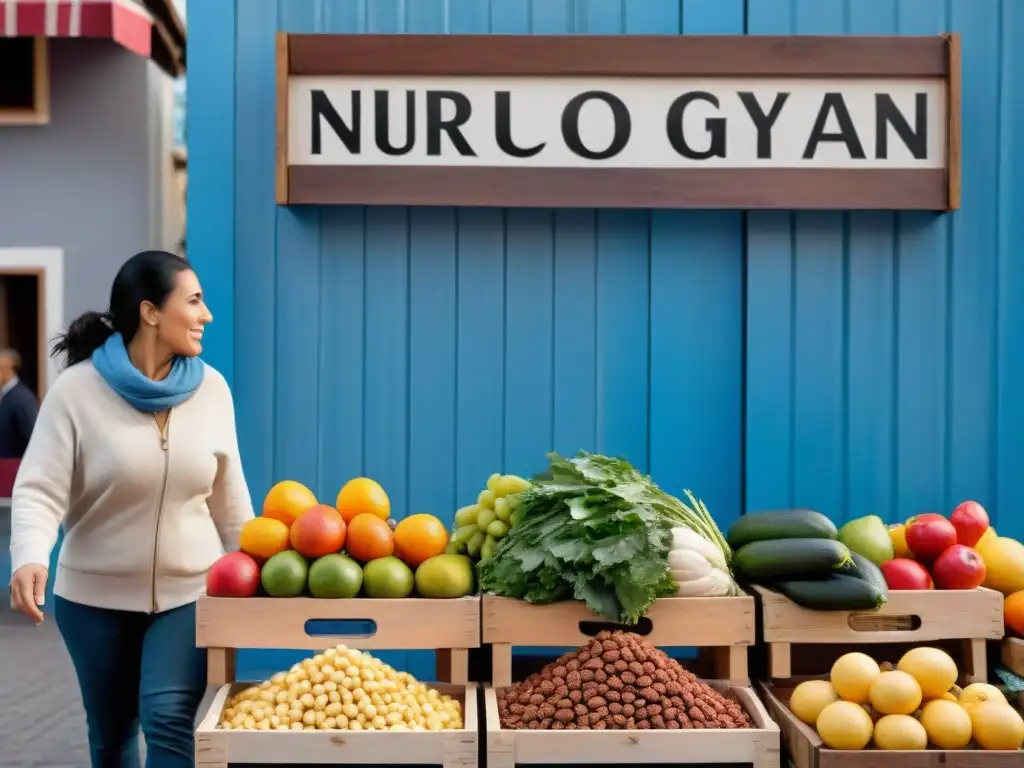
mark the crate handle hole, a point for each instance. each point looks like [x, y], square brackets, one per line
[355, 628]
[872, 622]
[591, 628]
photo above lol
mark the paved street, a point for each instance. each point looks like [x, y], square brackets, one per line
[41, 719]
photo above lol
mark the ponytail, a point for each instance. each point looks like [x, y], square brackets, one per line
[85, 335]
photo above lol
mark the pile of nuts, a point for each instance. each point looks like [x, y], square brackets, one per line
[618, 680]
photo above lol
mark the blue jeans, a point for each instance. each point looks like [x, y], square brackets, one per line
[136, 668]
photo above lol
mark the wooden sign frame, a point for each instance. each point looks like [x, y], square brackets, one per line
[803, 56]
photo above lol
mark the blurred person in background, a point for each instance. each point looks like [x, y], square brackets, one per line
[18, 407]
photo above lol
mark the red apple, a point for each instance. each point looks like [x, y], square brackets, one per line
[904, 573]
[928, 537]
[959, 567]
[971, 521]
[236, 574]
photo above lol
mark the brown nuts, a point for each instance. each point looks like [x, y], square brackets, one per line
[618, 681]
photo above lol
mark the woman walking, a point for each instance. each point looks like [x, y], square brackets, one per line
[135, 451]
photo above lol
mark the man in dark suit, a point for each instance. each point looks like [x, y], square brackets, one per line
[18, 407]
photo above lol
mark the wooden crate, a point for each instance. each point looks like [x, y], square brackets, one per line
[970, 616]
[1013, 659]
[757, 746]
[806, 750]
[726, 624]
[451, 627]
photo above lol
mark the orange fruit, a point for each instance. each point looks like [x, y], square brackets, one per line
[287, 500]
[264, 537]
[1013, 612]
[419, 538]
[361, 495]
[318, 531]
[368, 538]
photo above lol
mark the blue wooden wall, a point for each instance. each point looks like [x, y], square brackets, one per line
[857, 363]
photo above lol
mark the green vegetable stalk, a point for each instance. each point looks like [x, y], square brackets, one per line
[595, 529]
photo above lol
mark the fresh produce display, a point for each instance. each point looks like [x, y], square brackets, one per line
[342, 689]
[797, 553]
[480, 526]
[299, 546]
[907, 707]
[962, 552]
[801, 555]
[595, 529]
[617, 681]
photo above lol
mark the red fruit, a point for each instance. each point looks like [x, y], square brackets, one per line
[236, 574]
[928, 536]
[904, 573]
[318, 531]
[971, 521]
[959, 567]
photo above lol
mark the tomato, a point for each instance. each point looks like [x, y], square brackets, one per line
[971, 521]
[903, 573]
[929, 536]
[958, 567]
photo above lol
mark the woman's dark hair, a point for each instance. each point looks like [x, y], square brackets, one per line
[147, 276]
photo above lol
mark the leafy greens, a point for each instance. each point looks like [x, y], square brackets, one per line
[595, 529]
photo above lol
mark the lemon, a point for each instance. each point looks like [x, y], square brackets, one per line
[933, 668]
[895, 693]
[852, 675]
[997, 726]
[900, 732]
[810, 697]
[948, 724]
[975, 693]
[844, 725]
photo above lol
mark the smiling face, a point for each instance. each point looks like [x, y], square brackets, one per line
[181, 320]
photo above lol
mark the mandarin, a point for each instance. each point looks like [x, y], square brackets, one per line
[419, 538]
[287, 500]
[361, 495]
[368, 537]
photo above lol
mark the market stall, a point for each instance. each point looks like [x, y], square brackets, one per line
[414, 173]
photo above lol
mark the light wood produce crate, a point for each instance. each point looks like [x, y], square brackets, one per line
[451, 627]
[970, 616]
[1013, 660]
[725, 623]
[804, 747]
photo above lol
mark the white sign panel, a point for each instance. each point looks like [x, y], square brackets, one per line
[578, 122]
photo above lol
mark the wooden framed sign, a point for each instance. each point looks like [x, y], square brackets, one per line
[794, 122]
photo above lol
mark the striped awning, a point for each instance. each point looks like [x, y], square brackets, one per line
[122, 21]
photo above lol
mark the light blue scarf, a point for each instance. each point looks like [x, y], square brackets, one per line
[113, 364]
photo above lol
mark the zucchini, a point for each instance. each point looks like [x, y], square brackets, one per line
[837, 592]
[789, 559]
[862, 568]
[780, 524]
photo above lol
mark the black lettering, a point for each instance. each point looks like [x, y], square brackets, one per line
[763, 122]
[834, 102]
[503, 128]
[436, 125]
[715, 127]
[571, 125]
[382, 113]
[349, 135]
[887, 113]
